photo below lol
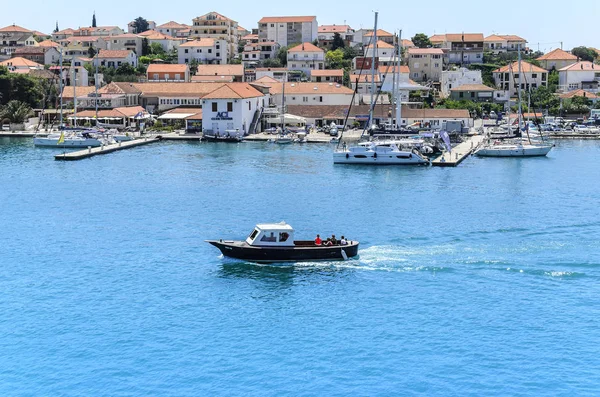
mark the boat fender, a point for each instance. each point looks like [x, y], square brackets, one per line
[344, 255]
[347, 155]
[410, 156]
[374, 155]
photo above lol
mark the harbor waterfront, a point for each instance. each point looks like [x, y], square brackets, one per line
[477, 280]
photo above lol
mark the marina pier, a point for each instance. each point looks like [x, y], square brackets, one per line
[459, 152]
[104, 149]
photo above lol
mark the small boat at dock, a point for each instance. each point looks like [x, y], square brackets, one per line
[274, 242]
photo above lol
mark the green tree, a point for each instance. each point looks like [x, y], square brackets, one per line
[553, 80]
[91, 52]
[140, 25]
[145, 46]
[584, 53]
[94, 20]
[350, 53]
[125, 69]
[337, 42]
[334, 59]
[193, 66]
[272, 63]
[56, 28]
[420, 40]
[282, 55]
[15, 111]
[156, 49]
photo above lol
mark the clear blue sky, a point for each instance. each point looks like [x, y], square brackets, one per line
[545, 22]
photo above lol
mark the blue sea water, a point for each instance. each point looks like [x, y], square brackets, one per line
[478, 280]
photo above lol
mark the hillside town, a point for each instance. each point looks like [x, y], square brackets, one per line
[211, 75]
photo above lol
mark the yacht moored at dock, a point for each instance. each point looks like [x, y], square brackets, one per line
[274, 242]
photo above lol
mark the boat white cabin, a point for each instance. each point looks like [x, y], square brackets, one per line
[272, 234]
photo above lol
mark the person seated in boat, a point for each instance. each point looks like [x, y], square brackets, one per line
[318, 240]
[333, 240]
[328, 242]
[343, 241]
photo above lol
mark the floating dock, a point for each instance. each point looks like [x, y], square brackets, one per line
[85, 153]
[459, 152]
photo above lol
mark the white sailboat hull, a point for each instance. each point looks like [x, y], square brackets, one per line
[514, 151]
[374, 158]
[68, 142]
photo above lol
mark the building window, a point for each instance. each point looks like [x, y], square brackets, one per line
[472, 95]
[214, 106]
[210, 50]
[230, 106]
[185, 51]
[534, 76]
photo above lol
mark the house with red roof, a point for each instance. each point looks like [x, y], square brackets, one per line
[12, 37]
[288, 30]
[582, 75]
[256, 52]
[174, 29]
[162, 72]
[19, 63]
[461, 48]
[504, 43]
[43, 55]
[326, 33]
[126, 41]
[306, 57]
[507, 78]
[217, 26]
[233, 108]
[557, 59]
[115, 58]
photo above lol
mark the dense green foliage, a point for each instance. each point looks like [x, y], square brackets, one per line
[19, 87]
[140, 25]
[420, 40]
[585, 53]
[15, 111]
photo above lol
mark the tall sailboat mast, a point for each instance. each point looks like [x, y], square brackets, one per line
[519, 90]
[373, 70]
[397, 88]
[60, 86]
[96, 88]
[74, 82]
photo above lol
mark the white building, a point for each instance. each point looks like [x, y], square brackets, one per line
[257, 52]
[308, 93]
[233, 107]
[326, 34]
[18, 64]
[174, 29]
[507, 77]
[364, 37]
[306, 57]
[581, 75]
[498, 44]
[127, 41]
[216, 26]
[288, 30]
[206, 50]
[458, 77]
[168, 43]
[131, 28]
[425, 64]
[99, 31]
[462, 48]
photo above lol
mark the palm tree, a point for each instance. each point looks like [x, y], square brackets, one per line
[15, 112]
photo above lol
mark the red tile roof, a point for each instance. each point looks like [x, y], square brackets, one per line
[114, 53]
[172, 25]
[557, 55]
[14, 28]
[305, 47]
[583, 66]
[381, 44]
[234, 91]
[425, 51]
[48, 43]
[327, 72]
[473, 87]
[579, 92]
[380, 33]
[21, 62]
[526, 67]
[203, 42]
[216, 15]
[334, 28]
[288, 19]
[220, 70]
[166, 68]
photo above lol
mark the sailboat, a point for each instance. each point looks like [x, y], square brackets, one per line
[68, 138]
[377, 152]
[518, 148]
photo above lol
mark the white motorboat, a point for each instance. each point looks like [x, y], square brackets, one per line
[72, 139]
[380, 153]
[283, 139]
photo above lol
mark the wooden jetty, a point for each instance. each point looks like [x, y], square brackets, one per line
[104, 149]
[459, 152]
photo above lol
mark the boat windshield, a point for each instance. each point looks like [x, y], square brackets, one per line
[253, 234]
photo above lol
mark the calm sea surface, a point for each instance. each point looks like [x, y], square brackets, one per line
[479, 280]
